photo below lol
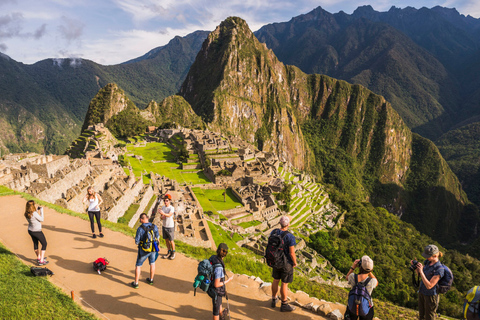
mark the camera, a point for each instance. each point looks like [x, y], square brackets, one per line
[414, 265]
[359, 264]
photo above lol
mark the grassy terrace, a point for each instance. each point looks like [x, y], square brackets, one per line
[161, 152]
[212, 200]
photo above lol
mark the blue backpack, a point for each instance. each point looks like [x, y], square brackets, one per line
[445, 282]
[359, 300]
[205, 274]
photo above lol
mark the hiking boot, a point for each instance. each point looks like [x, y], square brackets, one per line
[172, 256]
[287, 307]
[94, 236]
[101, 235]
[134, 285]
[149, 281]
[167, 256]
[274, 302]
[42, 263]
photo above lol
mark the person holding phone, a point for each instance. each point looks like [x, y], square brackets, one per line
[35, 218]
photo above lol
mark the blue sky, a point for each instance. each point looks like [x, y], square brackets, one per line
[114, 31]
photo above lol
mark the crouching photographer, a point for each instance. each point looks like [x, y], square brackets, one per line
[360, 304]
[430, 272]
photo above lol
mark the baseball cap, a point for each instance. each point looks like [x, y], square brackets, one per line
[167, 196]
[367, 263]
[429, 251]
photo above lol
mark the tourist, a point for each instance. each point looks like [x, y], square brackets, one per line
[142, 255]
[35, 219]
[284, 274]
[366, 278]
[217, 289]
[167, 212]
[430, 272]
[94, 201]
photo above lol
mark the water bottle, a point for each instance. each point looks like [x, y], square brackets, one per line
[155, 245]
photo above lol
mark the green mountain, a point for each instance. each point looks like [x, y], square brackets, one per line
[42, 105]
[344, 133]
[360, 49]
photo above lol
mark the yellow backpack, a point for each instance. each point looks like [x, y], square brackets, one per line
[470, 306]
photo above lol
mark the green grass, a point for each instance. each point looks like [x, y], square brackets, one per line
[219, 235]
[25, 296]
[212, 200]
[161, 151]
[249, 224]
[128, 215]
[4, 191]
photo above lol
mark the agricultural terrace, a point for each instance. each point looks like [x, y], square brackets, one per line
[213, 200]
[156, 151]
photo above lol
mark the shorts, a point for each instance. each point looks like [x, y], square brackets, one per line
[142, 256]
[217, 299]
[168, 233]
[284, 274]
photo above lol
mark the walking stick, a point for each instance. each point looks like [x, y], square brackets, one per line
[228, 305]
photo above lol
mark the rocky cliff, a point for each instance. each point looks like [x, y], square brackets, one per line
[344, 133]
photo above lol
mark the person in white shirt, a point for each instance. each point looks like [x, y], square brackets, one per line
[168, 230]
[94, 201]
[35, 218]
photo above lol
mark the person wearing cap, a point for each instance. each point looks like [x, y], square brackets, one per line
[430, 272]
[218, 285]
[168, 229]
[284, 274]
[365, 267]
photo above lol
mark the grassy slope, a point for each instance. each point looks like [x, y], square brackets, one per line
[158, 152]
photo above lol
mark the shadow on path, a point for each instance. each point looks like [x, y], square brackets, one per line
[80, 267]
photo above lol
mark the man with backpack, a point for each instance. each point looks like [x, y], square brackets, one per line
[360, 304]
[146, 239]
[280, 255]
[217, 288]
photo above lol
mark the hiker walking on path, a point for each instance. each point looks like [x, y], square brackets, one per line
[218, 290]
[430, 272]
[94, 201]
[35, 218]
[144, 239]
[284, 273]
[365, 279]
[168, 229]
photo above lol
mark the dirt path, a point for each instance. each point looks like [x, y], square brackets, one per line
[71, 251]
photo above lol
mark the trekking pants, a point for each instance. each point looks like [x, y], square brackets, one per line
[427, 306]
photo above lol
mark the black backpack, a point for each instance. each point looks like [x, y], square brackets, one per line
[275, 254]
[41, 272]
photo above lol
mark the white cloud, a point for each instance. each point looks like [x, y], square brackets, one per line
[71, 29]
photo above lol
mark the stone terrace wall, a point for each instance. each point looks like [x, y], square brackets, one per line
[48, 169]
[124, 202]
[57, 189]
[76, 204]
[143, 205]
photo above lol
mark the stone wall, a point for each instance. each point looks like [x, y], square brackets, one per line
[76, 203]
[235, 210]
[143, 206]
[47, 166]
[124, 202]
[58, 189]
